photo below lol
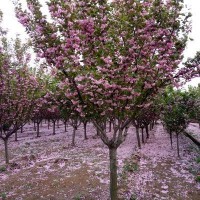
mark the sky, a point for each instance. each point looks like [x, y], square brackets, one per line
[14, 27]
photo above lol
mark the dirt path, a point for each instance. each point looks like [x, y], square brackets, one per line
[49, 168]
[194, 129]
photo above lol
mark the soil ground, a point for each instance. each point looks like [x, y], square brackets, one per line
[49, 168]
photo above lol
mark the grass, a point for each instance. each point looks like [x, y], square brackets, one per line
[3, 195]
[133, 197]
[198, 178]
[198, 160]
[130, 167]
[78, 196]
[2, 169]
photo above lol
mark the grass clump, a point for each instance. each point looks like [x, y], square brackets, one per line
[130, 167]
[2, 169]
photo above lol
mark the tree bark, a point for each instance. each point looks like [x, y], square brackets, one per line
[85, 130]
[73, 137]
[177, 139]
[97, 131]
[65, 123]
[54, 127]
[110, 126]
[6, 151]
[48, 123]
[34, 125]
[170, 135]
[142, 135]
[38, 129]
[147, 131]
[16, 136]
[113, 173]
[138, 137]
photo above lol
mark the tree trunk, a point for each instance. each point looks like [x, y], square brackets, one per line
[6, 151]
[22, 129]
[151, 126]
[65, 123]
[142, 135]
[73, 136]
[48, 123]
[16, 136]
[38, 129]
[138, 137]
[177, 139]
[147, 131]
[170, 135]
[34, 125]
[85, 130]
[54, 127]
[110, 126]
[113, 173]
[97, 131]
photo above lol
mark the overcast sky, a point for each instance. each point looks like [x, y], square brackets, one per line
[10, 22]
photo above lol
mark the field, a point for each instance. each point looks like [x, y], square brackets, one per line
[49, 168]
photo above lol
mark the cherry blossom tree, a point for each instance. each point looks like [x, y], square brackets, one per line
[18, 97]
[18, 88]
[144, 118]
[114, 57]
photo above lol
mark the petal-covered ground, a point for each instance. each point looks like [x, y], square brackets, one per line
[194, 130]
[50, 168]
[162, 175]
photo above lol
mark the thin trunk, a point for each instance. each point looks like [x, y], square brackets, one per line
[177, 139]
[151, 125]
[16, 136]
[6, 151]
[110, 126]
[147, 131]
[97, 131]
[85, 130]
[65, 123]
[22, 129]
[48, 123]
[113, 173]
[73, 137]
[138, 137]
[170, 135]
[142, 135]
[54, 127]
[34, 126]
[38, 129]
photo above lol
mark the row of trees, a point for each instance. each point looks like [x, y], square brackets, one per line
[178, 109]
[109, 61]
